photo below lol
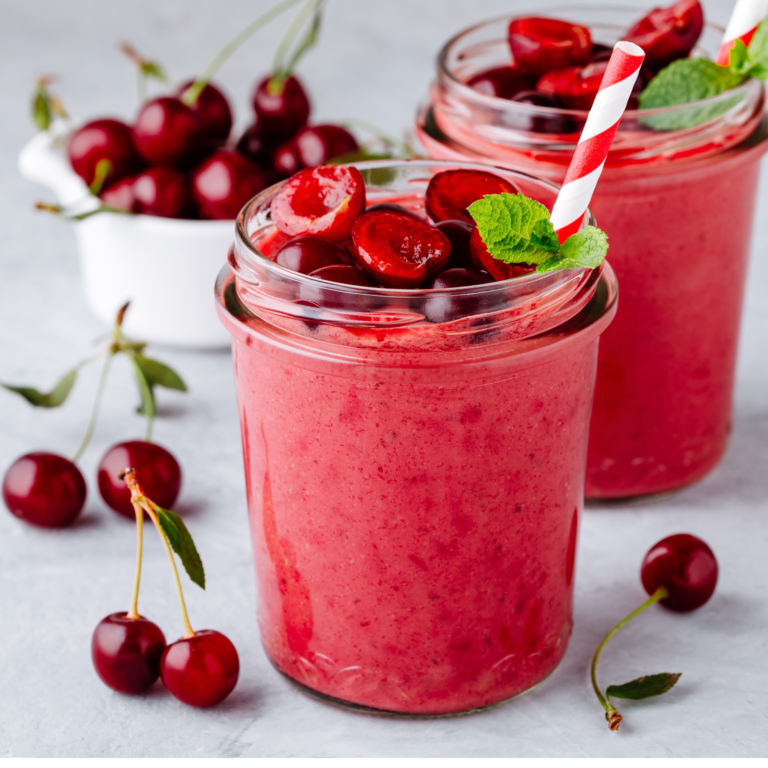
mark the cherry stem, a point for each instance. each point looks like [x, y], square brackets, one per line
[611, 713]
[192, 93]
[133, 613]
[95, 409]
[281, 70]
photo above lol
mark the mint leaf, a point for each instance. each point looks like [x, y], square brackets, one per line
[756, 64]
[159, 374]
[181, 543]
[147, 405]
[737, 61]
[514, 228]
[52, 399]
[644, 687]
[586, 248]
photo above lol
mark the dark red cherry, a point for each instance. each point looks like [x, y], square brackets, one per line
[496, 268]
[537, 121]
[457, 277]
[107, 139]
[270, 242]
[445, 308]
[576, 87]
[168, 132]
[450, 193]
[308, 253]
[458, 233]
[254, 146]
[599, 52]
[44, 489]
[345, 274]
[213, 112]
[686, 566]
[162, 192]
[320, 201]
[397, 250]
[157, 470]
[202, 670]
[126, 652]
[281, 108]
[396, 207]
[120, 195]
[286, 160]
[502, 82]
[540, 45]
[317, 144]
[666, 34]
[224, 183]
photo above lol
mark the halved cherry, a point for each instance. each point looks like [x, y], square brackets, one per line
[502, 82]
[450, 192]
[320, 201]
[398, 250]
[345, 274]
[271, 242]
[666, 34]
[539, 122]
[576, 87]
[540, 45]
[307, 253]
[496, 268]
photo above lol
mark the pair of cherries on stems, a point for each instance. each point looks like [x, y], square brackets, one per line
[129, 652]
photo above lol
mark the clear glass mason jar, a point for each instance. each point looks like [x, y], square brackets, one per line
[414, 462]
[678, 206]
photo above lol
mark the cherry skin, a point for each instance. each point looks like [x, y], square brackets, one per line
[396, 207]
[271, 242]
[254, 146]
[224, 183]
[126, 652]
[44, 489]
[281, 111]
[599, 52]
[685, 566]
[345, 274]
[666, 34]
[109, 140]
[317, 144]
[307, 253]
[536, 122]
[169, 133]
[450, 193]
[120, 195]
[575, 87]
[502, 82]
[213, 113]
[202, 670]
[286, 160]
[320, 201]
[458, 277]
[157, 470]
[458, 233]
[496, 268]
[445, 308]
[397, 250]
[162, 192]
[540, 45]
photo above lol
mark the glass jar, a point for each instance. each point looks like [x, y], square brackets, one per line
[678, 207]
[414, 463]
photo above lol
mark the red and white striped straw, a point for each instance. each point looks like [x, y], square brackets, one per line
[592, 150]
[745, 19]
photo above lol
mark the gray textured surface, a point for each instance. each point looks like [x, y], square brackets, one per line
[374, 63]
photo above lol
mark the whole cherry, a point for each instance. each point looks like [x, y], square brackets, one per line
[120, 195]
[162, 191]
[254, 146]
[447, 307]
[458, 233]
[213, 113]
[224, 183]
[307, 253]
[281, 106]
[168, 132]
[540, 45]
[502, 82]
[538, 121]
[345, 274]
[317, 144]
[103, 140]
[575, 87]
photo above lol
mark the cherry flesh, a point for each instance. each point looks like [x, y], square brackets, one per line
[502, 82]
[254, 146]
[449, 193]
[281, 109]
[213, 113]
[458, 233]
[224, 183]
[666, 34]
[271, 242]
[324, 200]
[162, 192]
[345, 274]
[169, 133]
[496, 268]
[120, 195]
[44, 489]
[540, 45]
[397, 250]
[202, 670]
[317, 144]
[685, 566]
[575, 87]
[109, 140]
[157, 469]
[126, 652]
[307, 253]
[537, 122]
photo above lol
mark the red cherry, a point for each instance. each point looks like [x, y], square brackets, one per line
[44, 489]
[397, 208]
[317, 144]
[281, 113]
[286, 160]
[254, 146]
[457, 277]
[306, 253]
[168, 132]
[496, 268]
[666, 34]
[537, 122]
[599, 52]
[162, 192]
[320, 201]
[105, 139]
[224, 183]
[270, 243]
[345, 274]
[157, 470]
[126, 652]
[202, 670]
[685, 566]
[397, 250]
[502, 82]
[540, 45]
[213, 113]
[120, 195]
[458, 233]
[450, 192]
[445, 308]
[576, 87]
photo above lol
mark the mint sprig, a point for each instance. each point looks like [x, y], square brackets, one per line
[516, 229]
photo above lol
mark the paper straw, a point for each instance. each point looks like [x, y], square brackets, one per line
[745, 19]
[592, 149]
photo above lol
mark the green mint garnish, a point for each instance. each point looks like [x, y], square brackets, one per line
[516, 229]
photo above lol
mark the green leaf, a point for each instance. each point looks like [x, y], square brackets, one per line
[159, 374]
[147, 405]
[586, 248]
[151, 69]
[52, 399]
[182, 543]
[756, 64]
[644, 687]
[42, 115]
[514, 228]
[737, 61]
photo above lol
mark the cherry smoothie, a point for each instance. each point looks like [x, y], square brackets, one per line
[678, 208]
[414, 484]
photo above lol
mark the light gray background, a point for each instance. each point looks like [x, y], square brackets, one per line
[375, 61]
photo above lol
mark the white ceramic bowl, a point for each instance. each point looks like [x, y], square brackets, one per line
[166, 268]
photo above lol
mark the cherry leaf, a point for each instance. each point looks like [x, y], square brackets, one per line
[147, 405]
[644, 687]
[182, 543]
[159, 374]
[52, 399]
